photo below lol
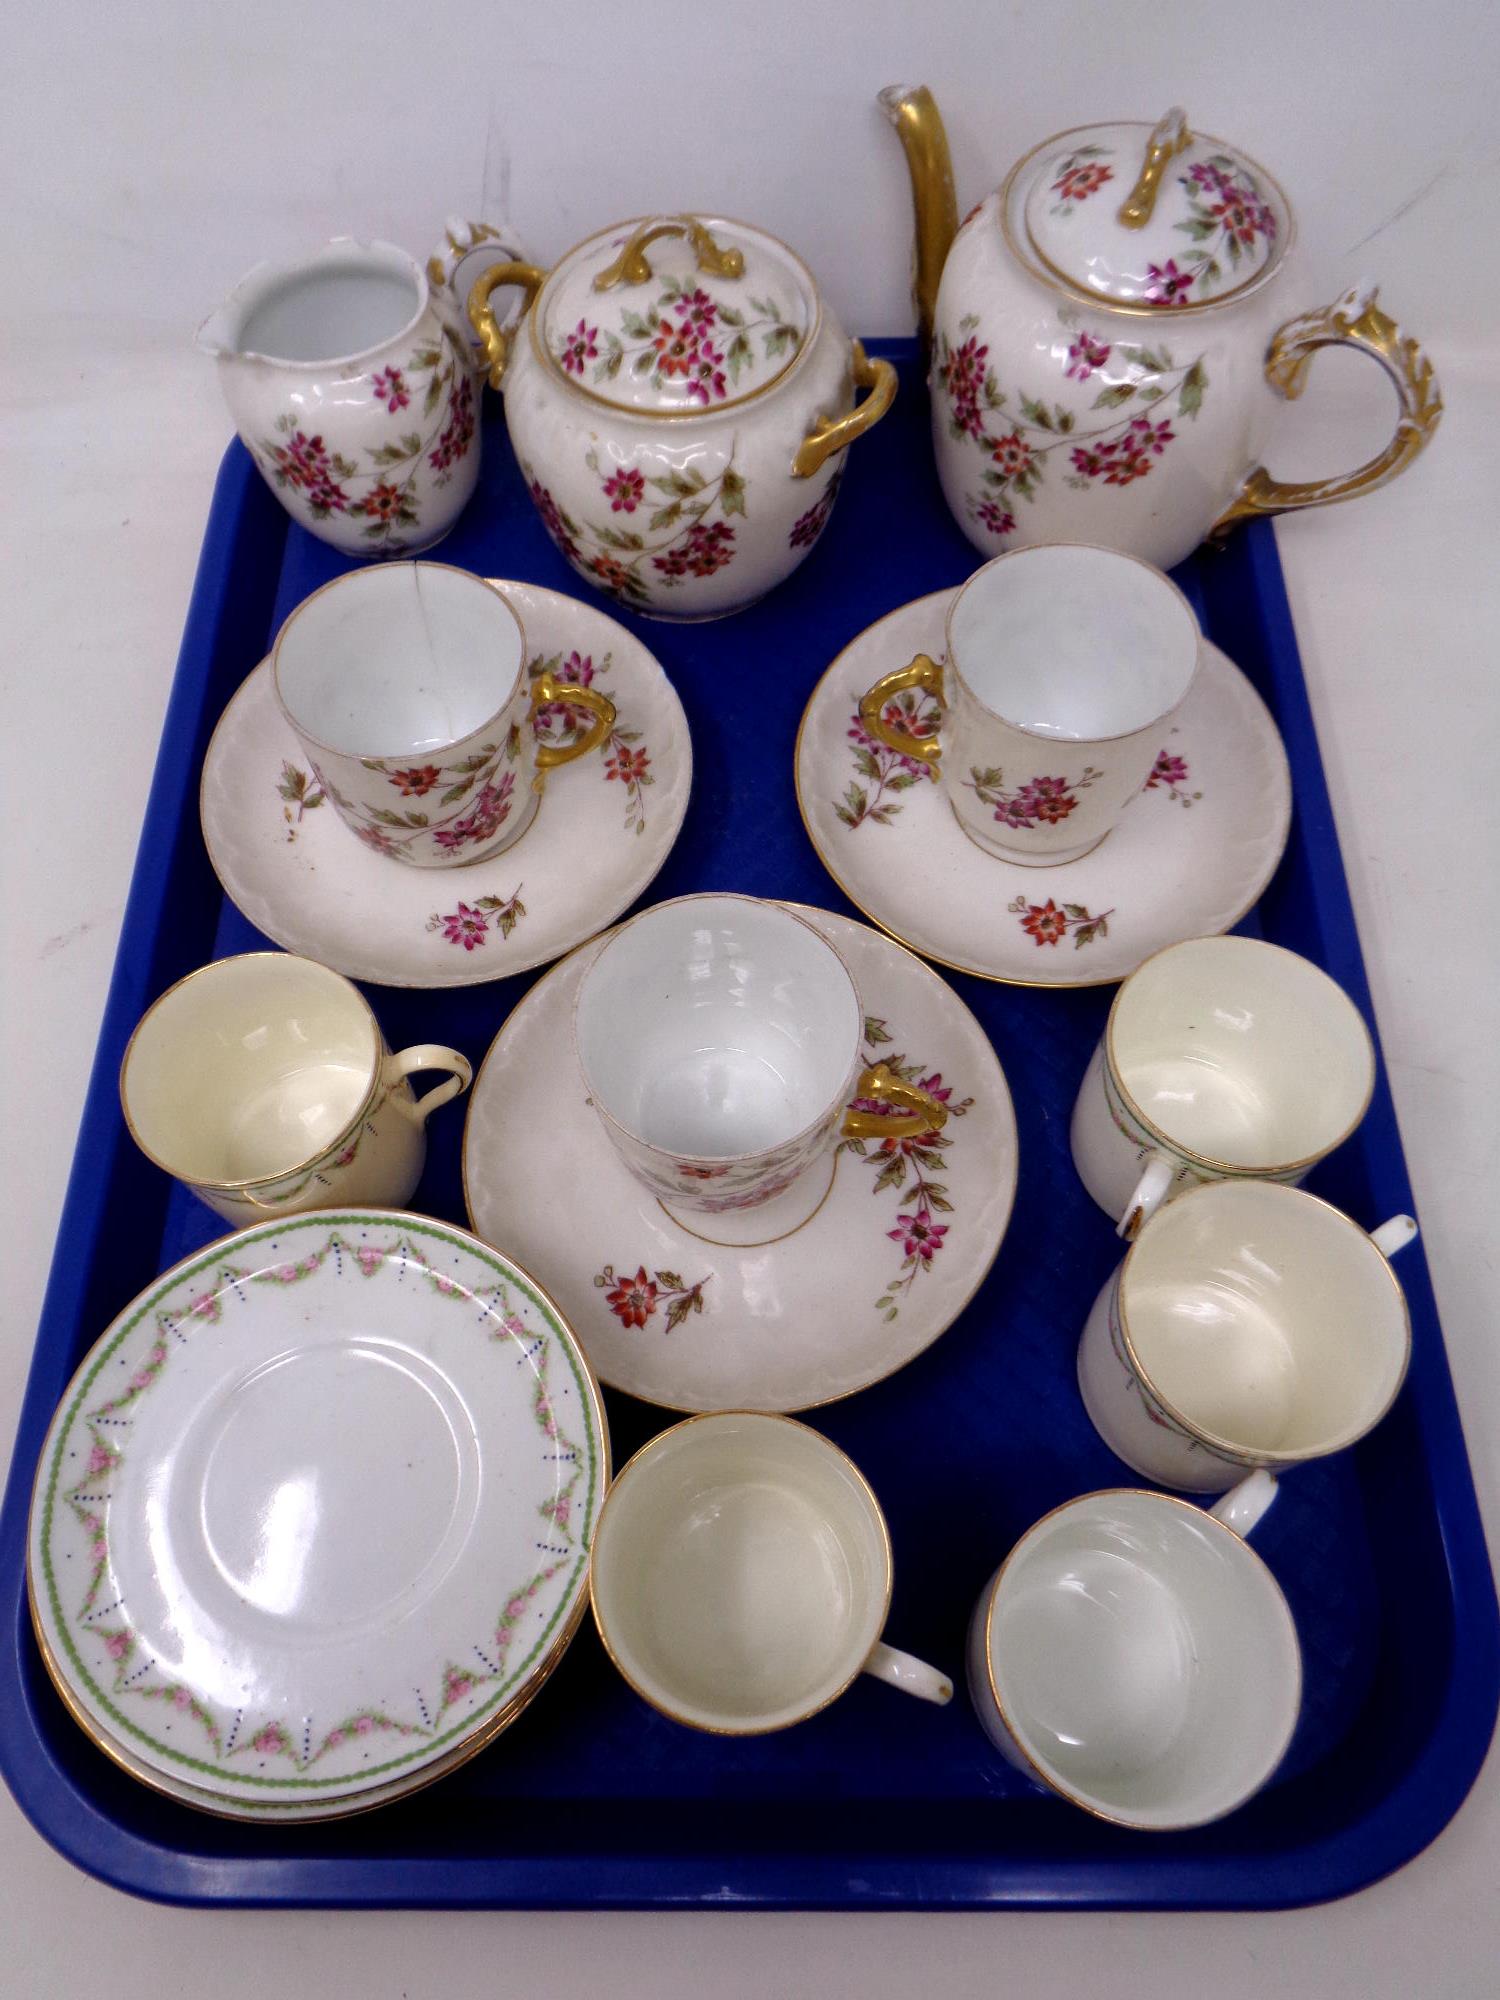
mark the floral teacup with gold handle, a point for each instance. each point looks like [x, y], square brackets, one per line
[719, 1038]
[263, 1083]
[1064, 665]
[407, 686]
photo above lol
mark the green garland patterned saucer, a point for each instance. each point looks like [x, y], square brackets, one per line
[311, 1524]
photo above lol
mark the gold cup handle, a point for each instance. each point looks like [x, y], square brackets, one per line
[1355, 321]
[923, 673]
[831, 434]
[546, 688]
[631, 267]
[917, 1113]
[481, 316]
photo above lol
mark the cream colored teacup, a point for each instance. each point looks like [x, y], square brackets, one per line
[263, 1083]
[742, 1574]
[408, 688]
[719, 1039]
[1249, 1325]
[1136, 1656]
[1065, 666]
[1223, 1058]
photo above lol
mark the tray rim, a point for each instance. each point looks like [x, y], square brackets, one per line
[1386, 1835]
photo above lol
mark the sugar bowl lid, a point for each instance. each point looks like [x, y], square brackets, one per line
[1151, 216]
[676, 315]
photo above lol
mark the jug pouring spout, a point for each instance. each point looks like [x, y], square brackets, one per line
[918, 123]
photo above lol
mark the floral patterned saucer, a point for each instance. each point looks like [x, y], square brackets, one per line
[311, 1524]
[1188, 859]
[770, 1308]
[606, 825]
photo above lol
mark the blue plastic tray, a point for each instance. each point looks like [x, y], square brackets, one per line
[592, 1799]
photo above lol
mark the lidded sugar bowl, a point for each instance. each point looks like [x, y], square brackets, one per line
[1108, 339]
[680, 396]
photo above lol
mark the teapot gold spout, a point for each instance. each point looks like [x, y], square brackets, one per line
[918, 123]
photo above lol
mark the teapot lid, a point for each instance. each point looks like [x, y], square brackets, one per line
[1152, 216]
[676, 315]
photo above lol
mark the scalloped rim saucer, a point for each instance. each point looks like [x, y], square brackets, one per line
[606, 825]
[836, 1300]
[1189, 858]
[311, 1523]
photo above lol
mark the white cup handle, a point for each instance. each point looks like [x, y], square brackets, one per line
[1150, 1192]
[1394, 1235]
[911, 1675]
[431, 1055]
[1243, 1506]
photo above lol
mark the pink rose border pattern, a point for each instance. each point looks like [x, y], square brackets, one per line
[564, 1540]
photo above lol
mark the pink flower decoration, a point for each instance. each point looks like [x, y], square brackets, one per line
[1085, 355]
[918, 1235]
[467, 927]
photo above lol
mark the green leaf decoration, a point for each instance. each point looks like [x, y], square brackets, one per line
[1075, 910]
[1190, 395]
[966, 325]
[1112, 398]
[738, 354]
[645, 361]
[1034, 413]
[876, 1031]
[434, 391]
[937, 1198]
[892, 1174]
[730, 316]
[670, 1281]
[455, 792]
[635, 326]
[665, 516]
[731, 492]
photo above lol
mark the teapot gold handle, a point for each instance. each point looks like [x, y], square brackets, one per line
[831, 434]
[495, 343]
[1356, 321]
[631, 267]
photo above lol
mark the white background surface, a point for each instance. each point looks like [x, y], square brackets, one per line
[150, 154]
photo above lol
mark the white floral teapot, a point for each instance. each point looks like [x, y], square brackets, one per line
[680, 417]
[1107, 336]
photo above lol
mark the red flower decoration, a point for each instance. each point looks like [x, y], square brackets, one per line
[1045, 922]
[1011, 454]
[633, 1300]
[630, 766]
[1078, 183]
[419, 779]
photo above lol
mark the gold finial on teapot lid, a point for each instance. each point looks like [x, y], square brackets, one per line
[1168, 138]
